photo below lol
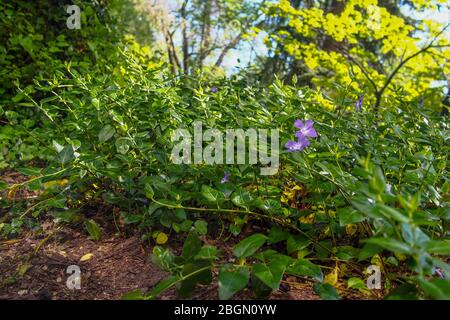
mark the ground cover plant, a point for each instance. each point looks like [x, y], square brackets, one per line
[361, 185]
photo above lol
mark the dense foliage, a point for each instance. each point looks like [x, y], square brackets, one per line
[95, 130]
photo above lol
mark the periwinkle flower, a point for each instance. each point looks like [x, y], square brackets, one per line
[214, 89]
[359, 103]
[225, 178]
[299, 145]
[306, 129]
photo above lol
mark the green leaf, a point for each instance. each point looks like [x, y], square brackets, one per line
[270, 206]
[249, 245]
[377, 184]
[123, 145]
[3, 185]
[201, 226]
[93, 229]
[405, 291]
[231, 280]
[326, 291]
[30, 171]
[437, 288]
[438, 247]
[66, 154]
[346, 252]
[277, 234]
[358, 284]
[162, 286]
[96, 103]
[212, 195]
[349, 216]
[259, 288]
[207, 252]
[242, 198]
[390, 244]
[272, 273]
[192, 246]
[367, 209]
[180, 214]
[323, 248]
[392, 213]
[106, 133]
[71, 215]
[57, 146]
[414, 235]
[133, 295]
[162, 257]
[296, 243]
[194, 273]
[57, 202]
[368, 251]
[411, 203]
[149, 193]
[303, 267]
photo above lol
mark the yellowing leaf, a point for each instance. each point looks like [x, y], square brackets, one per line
[86, 257]
[309, 219]
[332, 277]
[161, 238]
[400, 256]
[63, 182]
[11, 193]
[376, 260]
[351, 229]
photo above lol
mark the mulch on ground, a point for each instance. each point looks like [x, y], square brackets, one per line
[34, 267]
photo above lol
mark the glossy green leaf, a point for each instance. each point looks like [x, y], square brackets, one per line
[436, 288]
[271, 274]
[192, 246]
[390, 244]
[106, 133]
[231, 280]
[212, 195]
[249, 245]
[326, 291]
[207, 252]
[242, 198]
[303, 267]
[438, 246]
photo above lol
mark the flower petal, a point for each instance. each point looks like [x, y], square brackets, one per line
[292, 146]
[309, 123]
[299, 134]
[303, 142]
[225, 178]
[298, 124]
[310, 132]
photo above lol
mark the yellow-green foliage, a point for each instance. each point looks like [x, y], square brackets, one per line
[361, 46]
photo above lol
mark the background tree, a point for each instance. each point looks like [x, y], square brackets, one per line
[368, 46]
[200, 33]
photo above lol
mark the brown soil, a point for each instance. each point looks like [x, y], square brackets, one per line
[34, 267]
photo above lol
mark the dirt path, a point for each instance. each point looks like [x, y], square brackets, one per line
[117, 266]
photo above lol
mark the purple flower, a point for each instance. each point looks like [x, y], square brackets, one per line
[299, 145]
[214, 89]
[225, 178]
[306, 129]
[359, 103]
